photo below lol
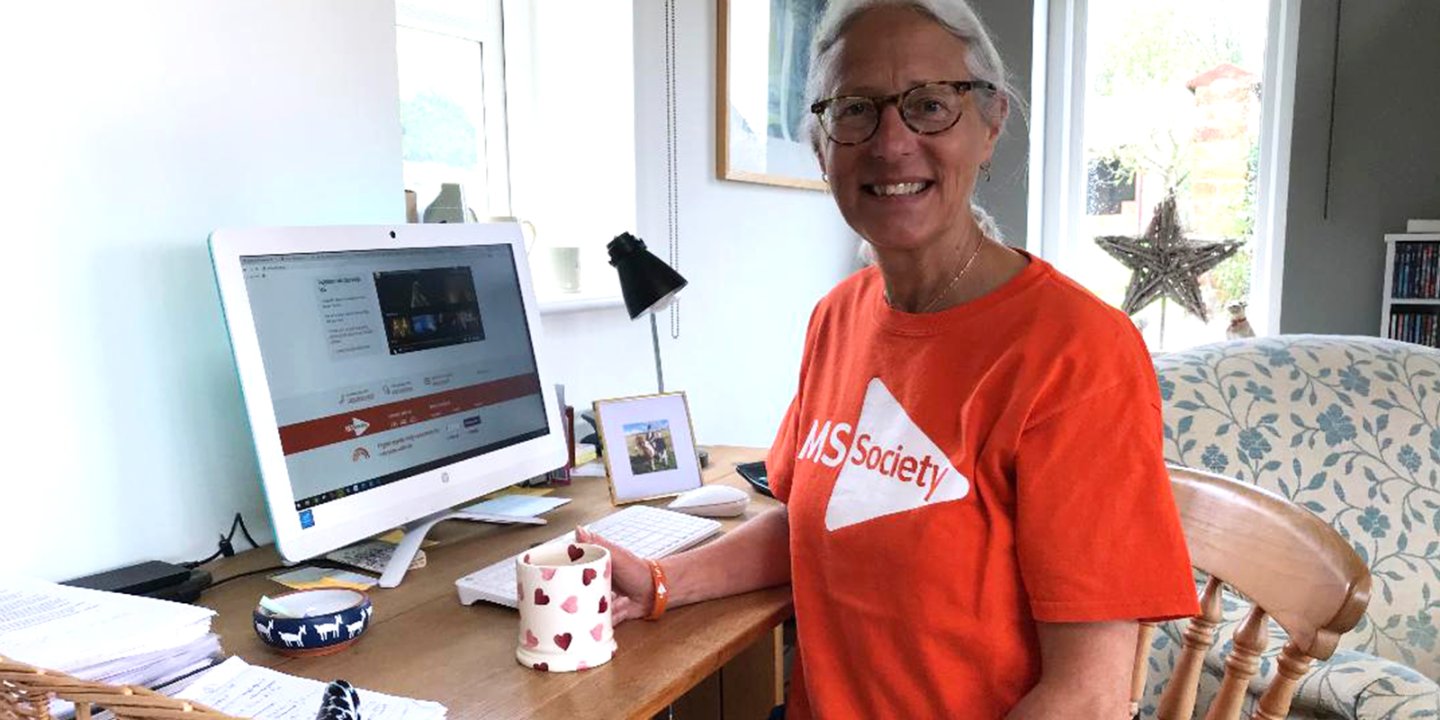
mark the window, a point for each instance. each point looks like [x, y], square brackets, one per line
[536, 122]
[452, 103]
[1149, 97]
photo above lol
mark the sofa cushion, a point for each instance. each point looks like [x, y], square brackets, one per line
[1348, 427]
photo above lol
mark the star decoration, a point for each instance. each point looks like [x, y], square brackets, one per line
[1164, 263]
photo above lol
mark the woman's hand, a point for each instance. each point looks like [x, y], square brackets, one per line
[752, 556]
[632, 587]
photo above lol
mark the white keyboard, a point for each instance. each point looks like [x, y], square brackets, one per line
[646, 531]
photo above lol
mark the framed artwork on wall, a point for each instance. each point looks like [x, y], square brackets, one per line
[761, 112]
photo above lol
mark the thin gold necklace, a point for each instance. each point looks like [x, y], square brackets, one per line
[953, 281]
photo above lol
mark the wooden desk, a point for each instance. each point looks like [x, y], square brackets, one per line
[423, 643]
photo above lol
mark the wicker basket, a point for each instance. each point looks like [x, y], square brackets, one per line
[26, 691]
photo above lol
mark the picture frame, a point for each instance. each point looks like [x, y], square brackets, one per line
[648, 443]
[763, 59]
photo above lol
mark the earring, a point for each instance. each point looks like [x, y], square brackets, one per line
[824, 177]
[985, 168]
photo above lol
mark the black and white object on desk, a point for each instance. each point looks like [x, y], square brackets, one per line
[711, 501]
[340, 702]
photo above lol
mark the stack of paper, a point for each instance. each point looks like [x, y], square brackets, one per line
[103, 636]
[237, 688]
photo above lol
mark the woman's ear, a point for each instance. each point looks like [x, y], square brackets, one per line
[1000, 111]
[820, 160]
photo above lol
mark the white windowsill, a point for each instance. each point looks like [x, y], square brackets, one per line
[578, 302]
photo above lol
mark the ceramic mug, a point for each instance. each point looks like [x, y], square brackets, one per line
[565, 620]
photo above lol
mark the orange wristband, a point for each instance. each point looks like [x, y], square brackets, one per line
[662, 590]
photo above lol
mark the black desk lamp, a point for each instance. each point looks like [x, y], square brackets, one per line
[647, 284]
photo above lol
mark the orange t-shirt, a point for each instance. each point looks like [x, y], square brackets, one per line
[953, 478]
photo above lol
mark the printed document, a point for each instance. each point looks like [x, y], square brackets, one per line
[95, 634]
[238, 688]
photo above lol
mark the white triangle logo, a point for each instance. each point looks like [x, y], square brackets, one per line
[890, 467]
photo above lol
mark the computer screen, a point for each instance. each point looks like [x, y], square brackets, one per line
[385, 378]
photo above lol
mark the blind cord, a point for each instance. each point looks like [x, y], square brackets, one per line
[672, 173]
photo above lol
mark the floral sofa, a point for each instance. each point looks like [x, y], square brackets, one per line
[1348, 427]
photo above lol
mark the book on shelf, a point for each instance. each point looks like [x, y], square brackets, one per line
[1421, 327]
[1416, 271]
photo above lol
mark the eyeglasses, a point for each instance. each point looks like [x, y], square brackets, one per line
[927, 109]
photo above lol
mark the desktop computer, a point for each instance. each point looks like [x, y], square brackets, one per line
[389, 374]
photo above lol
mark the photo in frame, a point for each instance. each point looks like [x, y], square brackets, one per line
[763, 63]
[649, 446]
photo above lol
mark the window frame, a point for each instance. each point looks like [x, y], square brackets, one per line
[520, 73]
[505, 31]
[1057, 201]
[486, 29]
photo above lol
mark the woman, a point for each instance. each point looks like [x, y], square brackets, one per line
[977, 510]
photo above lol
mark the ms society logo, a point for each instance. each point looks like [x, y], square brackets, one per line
[887, 464]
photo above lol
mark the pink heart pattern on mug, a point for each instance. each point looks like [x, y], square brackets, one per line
[571, 604]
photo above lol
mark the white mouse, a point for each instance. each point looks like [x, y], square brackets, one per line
[712, 501]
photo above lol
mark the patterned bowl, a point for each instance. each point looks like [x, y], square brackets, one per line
[327, 621]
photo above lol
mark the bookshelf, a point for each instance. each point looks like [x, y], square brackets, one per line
[1410, 310]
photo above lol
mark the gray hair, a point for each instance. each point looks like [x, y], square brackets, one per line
[959, 19]
[956, 16]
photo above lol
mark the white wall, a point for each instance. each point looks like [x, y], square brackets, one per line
[130, 131]
[757, 258]
[1364, 156]
[136, 129]
[1006, 194]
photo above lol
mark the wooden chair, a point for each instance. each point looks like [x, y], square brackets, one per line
[25, 694]
[1294, 567]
